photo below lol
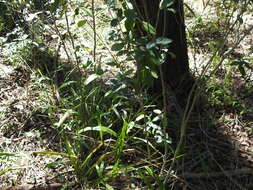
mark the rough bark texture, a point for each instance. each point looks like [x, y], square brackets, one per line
[170, 25]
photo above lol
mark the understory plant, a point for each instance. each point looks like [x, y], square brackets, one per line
[110, 120]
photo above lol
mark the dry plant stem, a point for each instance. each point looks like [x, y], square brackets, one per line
[145, 9]
[205, 69]
[102, 41]
[185, 119]
[140, 15]
[164, 120]
[190, 9]
[94, 31]
[164, 94]
[105, 44]
[206, 3]
[190, 104]
[71, 38]
[56, 186]
[208, 64]
[242, 171]
[231, 50]
[61, 38]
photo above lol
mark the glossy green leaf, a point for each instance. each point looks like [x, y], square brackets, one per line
[99, 128]
[157, 111]
[148, 28]
[159, 41]
[81, 23]
[163, 41]
[151, 45]
[150, 171]
[130, 14]
[117, 46]
[108, 187]
[155, 61]
[77, 11]
[240, 19]
[154, 74]
[114, 22]
[140, 117]
[172, 10]
[242, 70]
[91, 78]
[129, 24]
[165, 3]
[67, 84]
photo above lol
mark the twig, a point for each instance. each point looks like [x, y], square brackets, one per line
[62, 39]
[94, 31]
[225, 173]
[164, 120]
[71, 38]
[55, 186]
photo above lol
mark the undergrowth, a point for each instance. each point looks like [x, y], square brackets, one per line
[110, 128]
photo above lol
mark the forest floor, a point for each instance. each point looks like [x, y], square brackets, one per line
[224, 142]
[23, 131]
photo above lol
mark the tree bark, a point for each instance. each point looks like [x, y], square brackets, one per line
[170, 25]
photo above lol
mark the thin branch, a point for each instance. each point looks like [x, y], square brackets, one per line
[56, 186]
[94, 31]
[62, 39]
[164, 120]
[225, 173]
[71, 38]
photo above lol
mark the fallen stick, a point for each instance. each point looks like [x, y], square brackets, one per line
[242, 171]
[55, 186]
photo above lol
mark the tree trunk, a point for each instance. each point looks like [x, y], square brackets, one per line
[171, 25]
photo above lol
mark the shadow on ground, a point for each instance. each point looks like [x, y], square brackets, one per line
[218, 151]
